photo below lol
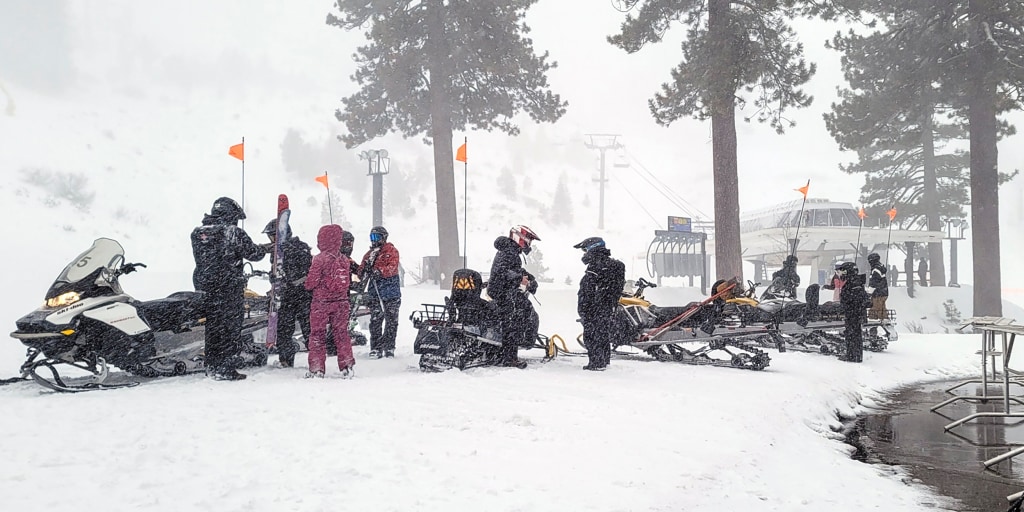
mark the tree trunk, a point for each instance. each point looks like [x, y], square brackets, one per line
[441, 137]
[984, 166]
[930, 195]
[728, 253]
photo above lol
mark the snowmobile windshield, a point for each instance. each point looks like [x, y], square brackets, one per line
[101, 261]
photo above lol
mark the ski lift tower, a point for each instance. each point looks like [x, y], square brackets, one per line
[602, 142]
[379, 165]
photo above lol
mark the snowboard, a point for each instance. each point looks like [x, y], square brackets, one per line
[277, 269]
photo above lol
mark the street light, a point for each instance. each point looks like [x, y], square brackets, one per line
[954, 231]
[378, 162]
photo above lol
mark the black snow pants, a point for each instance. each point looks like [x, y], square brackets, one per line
[386, 317]
[295, 303]
[597, 337]
[225, 309]
[516, 323]
[854, 337]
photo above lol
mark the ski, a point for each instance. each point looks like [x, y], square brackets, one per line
[653, 334]
[277, 269]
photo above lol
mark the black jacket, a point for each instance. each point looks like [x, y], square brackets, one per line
[601, 285]
[507, 272]
[297, 258]
[853, 298]
[879, 281]
[219, 248]
[786, 280]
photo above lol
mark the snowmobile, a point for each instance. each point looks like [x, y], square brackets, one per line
[701, 333]
[804, 326]
[464, 332]
[88, 322]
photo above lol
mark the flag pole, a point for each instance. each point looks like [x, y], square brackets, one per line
[243, 181]
[860, 214]
[888, 241]
[330, 209]
[465, 205]
[799, 220]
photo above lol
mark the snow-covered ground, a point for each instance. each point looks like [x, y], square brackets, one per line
[643, 435]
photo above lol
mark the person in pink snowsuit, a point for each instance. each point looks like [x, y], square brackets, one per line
[328, 279]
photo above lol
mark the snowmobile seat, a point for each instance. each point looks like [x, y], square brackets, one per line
[467, 306]
[173, 311]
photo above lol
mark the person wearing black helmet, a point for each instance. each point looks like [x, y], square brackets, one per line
[220, 247]
[597, 299]
[383, 291]
[785, 281]
[295, 299]
[878, 287]
[854, 301]
[508, 286]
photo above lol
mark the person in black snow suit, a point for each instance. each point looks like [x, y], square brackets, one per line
[295, 299]
[597, 299]
[854, 301]
[785, 281]
[219, 247]
[509, 286]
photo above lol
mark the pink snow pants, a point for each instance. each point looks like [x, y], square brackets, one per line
[320, 315]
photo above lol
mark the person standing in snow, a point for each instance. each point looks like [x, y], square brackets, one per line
[836, 283]
[295, 298]
[509, 286]
[854, 300]
[219, 247]
[379, 272]
[329, 278]
[597, 300]
[878, 287]
[922, 272]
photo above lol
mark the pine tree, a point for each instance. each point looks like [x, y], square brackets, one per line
[561, 206]
[435, 66]
[735, 51]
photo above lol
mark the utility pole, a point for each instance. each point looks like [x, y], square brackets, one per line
[378, 162]
[602, 142]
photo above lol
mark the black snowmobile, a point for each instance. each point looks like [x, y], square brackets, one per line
[464, 332]
[88, 322]
[701, 333]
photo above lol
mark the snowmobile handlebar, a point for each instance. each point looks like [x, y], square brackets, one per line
[128, 268]
[641, 285]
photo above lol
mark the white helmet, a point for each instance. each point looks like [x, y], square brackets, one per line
[523, 236]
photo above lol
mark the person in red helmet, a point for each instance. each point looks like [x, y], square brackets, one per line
[509, 286]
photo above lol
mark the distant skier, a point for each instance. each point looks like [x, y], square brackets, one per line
[922, 272]
[785, 281]
[383, 292]
[509, 286]
[597, 299]
[328, 279]
[854, 300]
[219, 247]
[295, 298]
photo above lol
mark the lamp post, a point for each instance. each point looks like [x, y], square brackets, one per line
[954, 231]
[378, 165]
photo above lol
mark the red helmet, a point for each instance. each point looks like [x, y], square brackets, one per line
[522, 235]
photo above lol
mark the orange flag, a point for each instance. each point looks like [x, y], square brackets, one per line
[892, 214]
[861, 213]
[460, 155]
[323, 181]
[803, 189]
[237, 151]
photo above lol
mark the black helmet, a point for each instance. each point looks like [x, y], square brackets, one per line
[378, 235]
[271, 229]
[874, 258]
[227, 209]
[348, 241]
[791, 260]
[590, 243]
[846, 268]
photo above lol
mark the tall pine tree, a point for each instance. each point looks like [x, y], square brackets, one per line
[435, 66]
[736, 51]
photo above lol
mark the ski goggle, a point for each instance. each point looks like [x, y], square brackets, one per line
[376, 237]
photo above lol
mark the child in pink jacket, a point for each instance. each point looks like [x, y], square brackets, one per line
[328, 279]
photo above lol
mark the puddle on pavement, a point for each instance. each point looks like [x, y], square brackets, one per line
[906, 433]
